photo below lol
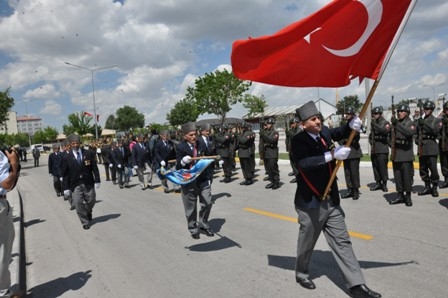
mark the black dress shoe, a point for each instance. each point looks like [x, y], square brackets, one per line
[293, 180]
[362, 291]
[348, 194]
[265, 178]
[72, 207]
[195, 235]
[166, 191]
[225, 180]
[249, 181]
[306, 283]
[270, 185]
[207, 232]
[276, 186]
[244, 182]
[291, 174]
[86, 226]
[377, 186]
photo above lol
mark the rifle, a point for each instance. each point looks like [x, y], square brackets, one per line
[393, 147]
[372, 131]
[420, 132]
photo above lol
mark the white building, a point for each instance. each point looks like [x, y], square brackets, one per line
[29, 124]
[10, 126]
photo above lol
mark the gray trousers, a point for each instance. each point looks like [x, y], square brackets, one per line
[331, 220]
[7, 234]
[190, 194]
[84, 199]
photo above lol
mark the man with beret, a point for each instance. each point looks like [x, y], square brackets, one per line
[314, 156]
[80, 179]
[200, 188]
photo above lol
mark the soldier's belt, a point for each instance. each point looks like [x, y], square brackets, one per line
[403, 142]
[380, 138]
[428, 137]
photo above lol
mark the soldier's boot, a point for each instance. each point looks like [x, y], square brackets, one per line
[348, 194]
[384, 186]
[355, 193]
[427, 190]
[434, 191]
[445, 184]
[407, 199]
[377, 186]
[398, 200]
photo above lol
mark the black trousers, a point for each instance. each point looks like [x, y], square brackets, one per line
[379, 165]
[271, 165]
[351, 172]
[403, 175]
[428, 163]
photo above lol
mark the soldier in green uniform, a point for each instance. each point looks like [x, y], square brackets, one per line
[402, 156]
[351, 164]
[222, 140]
[379, 141]
[270, 140]
[443, 145]
[246, 140]
[294, 128]
[427, 131]
[261, 148]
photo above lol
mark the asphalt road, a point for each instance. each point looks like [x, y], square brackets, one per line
[139, 246]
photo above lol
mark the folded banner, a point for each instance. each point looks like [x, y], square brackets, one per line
[344, 40]
[184, 176]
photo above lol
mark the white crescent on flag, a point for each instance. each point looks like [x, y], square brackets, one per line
[374, 11]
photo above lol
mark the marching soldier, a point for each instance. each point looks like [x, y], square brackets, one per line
[351, 164]
[379, 141]
[428, 129]
[402, 156]
[294, 129]
[223, 139]
[443, 145]
[246, 140]
[270, 140]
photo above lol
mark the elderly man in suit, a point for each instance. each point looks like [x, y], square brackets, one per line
[54, 169]
[164, 151]
[140, 158]
[200, 188]
[80, 179]
[314, 155]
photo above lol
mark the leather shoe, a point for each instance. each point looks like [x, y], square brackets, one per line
[249, 181]
[266, 178]
[276, 186]
[361, 291]
[306, 283]
[291, 174]
[244, 182]
[207, 232]
[195, 235]
[86, 226]
[270, 185]
[293, 180]
[225, 180]
[72, 207]
[377, 186]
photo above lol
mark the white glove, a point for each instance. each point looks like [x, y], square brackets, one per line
[135, 167]
[51, 175]
[97, 185]
[111, 165]
[66, 193]
[185, 160]
[342, 152]
[356, 124]
[61, 179]
[162, 163]
[221, 162]
[119, 166]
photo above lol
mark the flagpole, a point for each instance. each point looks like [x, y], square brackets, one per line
[372, 91]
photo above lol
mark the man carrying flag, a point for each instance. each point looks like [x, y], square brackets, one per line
[199, 188]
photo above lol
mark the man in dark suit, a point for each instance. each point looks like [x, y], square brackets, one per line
[314, 155]
[80, 179]
[163, 151]
[54, 169]
[200, 188]
[120, 156]
[140, 157]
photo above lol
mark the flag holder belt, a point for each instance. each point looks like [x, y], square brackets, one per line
[313, 189]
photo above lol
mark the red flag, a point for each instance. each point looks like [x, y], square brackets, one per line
[88, 114]
[343, 40]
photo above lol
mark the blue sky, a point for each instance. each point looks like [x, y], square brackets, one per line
[161, 47]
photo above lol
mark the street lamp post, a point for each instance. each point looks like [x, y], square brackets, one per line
[92, 71]
[26, 111]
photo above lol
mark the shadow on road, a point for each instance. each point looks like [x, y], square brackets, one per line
[104, 218]
[57, 287]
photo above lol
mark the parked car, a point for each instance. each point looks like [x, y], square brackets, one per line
[38, 146]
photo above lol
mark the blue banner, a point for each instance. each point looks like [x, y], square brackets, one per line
[184, 176]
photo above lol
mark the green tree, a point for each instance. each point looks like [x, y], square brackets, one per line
[128, 117]
[79, 123]
[254, 104]
[183, 111]
[351, 100]
[216, 92]
[111, 122]
[6, 103]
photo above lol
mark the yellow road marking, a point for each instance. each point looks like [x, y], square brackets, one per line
[294, 219]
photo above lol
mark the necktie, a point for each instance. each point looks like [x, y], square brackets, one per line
[164, 143]
[78, 157]
[122, 152]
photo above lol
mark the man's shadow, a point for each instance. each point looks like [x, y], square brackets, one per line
[218, 243]
[322, 263]
[104, 218]
[61, 285]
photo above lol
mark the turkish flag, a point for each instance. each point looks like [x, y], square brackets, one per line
[343, 40]
[88, 114]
